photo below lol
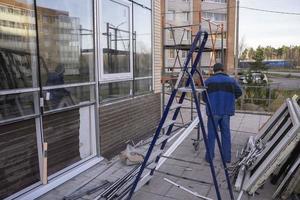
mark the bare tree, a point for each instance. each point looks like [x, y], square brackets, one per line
[242, 46]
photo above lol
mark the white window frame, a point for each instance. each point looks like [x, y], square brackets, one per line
[115, 77]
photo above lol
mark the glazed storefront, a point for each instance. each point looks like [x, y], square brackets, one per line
[61, 60]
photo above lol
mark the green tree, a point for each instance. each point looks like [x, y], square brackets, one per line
[244, 54]
[258, 57]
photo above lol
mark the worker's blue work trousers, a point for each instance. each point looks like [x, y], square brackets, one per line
[223, 122]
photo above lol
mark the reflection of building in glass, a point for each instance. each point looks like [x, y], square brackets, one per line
[60, 33]
[57, 31]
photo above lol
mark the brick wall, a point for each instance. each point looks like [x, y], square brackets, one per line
[157, 47]
[230, 36]
[131, 119]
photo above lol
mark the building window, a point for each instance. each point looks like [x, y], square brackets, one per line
[185, 16]
[67, 65]
[171, 53]
[115, 90]
[145, 3]
[183, 54]
[142, 49]
[171, 15]
[216, 1]
[116, 41]
[219, 17]
[67, 79]
[127, 50]
[186, 35]
[171, 34]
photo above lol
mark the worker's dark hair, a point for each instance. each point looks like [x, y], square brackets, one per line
[218, 67]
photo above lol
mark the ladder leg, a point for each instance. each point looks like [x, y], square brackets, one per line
[158, 130]
[166, 111]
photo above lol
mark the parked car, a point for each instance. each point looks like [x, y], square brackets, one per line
[254, 77]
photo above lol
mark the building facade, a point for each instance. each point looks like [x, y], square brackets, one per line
[190, 12]
[78, 80]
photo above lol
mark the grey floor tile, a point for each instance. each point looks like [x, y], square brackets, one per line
[146, 196]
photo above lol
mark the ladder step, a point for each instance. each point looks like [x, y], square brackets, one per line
[175, 106]
[162, 139]
[168, 123]
[189, 89]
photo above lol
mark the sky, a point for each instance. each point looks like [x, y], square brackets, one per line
[261, 28]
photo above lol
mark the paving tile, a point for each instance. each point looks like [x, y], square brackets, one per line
[159, 189]
[177, 193]
[203, 174]
[146, 196]
[157, 185]
[223, 193]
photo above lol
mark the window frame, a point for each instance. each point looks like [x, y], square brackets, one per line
[115, 77]
[186, 17]
[171, 15]
[216, 1]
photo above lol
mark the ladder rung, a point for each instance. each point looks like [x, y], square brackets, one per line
[162, 139]
[168, 123]
[188, 89]
[175, 106]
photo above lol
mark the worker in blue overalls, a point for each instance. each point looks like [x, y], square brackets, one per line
[222, 92]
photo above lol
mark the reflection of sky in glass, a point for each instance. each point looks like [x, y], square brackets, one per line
[142, 27]
[81, 9]
[117, 15]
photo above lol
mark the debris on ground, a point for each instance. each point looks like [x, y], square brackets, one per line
[131, 156]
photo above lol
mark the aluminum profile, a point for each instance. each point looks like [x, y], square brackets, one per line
[277, 147]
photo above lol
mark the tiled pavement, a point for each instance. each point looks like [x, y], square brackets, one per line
[242, 125]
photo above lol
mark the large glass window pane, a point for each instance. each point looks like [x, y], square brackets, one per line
[142, 86]
[66, 41]
[142, 41]
[66, 97]
[17, 105]
[146, 3]
[17, 45]
[115, 37]
[117, 90]
[61, 131]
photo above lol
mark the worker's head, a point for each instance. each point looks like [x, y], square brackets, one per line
[218, 67]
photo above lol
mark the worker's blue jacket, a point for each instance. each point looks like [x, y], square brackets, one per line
[222, 92]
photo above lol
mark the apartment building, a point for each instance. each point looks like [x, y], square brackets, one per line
[78, 80]
[194, 13]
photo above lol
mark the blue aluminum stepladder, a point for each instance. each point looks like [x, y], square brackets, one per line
[190, 87]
